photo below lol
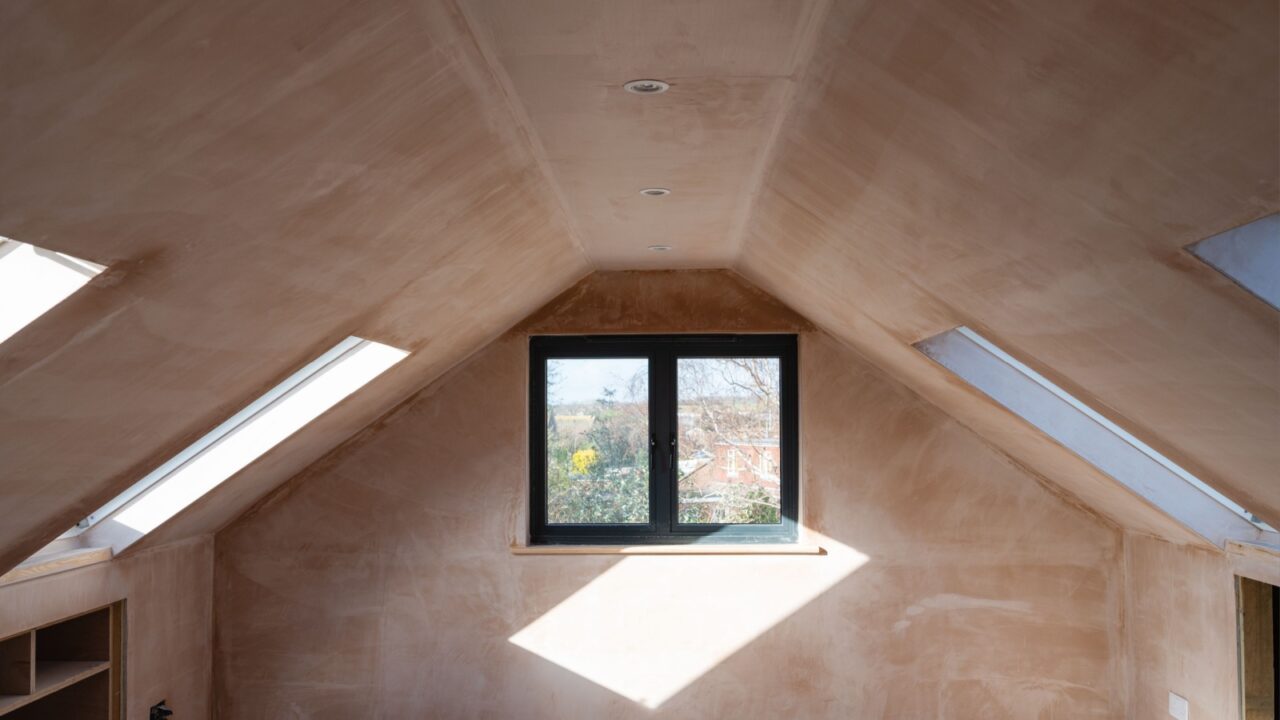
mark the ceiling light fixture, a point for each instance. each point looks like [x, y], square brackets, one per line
[646, 87]
[655, 192]
[659, 248]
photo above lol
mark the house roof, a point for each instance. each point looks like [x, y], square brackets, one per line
[264, 180]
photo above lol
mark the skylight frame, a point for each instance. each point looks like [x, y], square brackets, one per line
[31, 296]
[1248, 255]
[1123, 434]
[974, 377]
[243, 421]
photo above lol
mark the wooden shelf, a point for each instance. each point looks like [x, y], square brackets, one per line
[52, 676]
[17, 665]
[71, 668]
[88, 698]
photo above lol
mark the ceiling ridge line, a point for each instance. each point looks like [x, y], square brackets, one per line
[484, 44]
[801, 67]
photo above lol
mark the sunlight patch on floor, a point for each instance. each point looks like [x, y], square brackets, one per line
[649, 626]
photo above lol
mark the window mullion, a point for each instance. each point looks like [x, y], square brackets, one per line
[661, 412]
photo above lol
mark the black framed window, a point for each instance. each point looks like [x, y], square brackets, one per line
[663, 439]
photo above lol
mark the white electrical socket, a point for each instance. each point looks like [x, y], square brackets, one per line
[1179, 707]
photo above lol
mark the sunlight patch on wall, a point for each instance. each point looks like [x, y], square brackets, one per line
[651, 625]
[33, 280]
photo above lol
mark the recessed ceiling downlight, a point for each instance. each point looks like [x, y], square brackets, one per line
[646, 87]
[659, 248]
[655, 191]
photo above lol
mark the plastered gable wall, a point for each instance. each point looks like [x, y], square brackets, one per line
[380, 583]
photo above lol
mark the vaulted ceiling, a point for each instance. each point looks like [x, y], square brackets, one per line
[263, 179]
[733, 66]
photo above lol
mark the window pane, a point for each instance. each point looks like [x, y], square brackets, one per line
[729, 418]
[597, 441]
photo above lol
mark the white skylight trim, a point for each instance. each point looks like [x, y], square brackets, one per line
[33, 280]
[1249, 255]
[239, 441]
[1063, 395]
[1093, 437]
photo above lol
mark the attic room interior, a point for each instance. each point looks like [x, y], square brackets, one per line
[552, 359]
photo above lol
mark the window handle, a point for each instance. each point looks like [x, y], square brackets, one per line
[672, 454]
[653, 449]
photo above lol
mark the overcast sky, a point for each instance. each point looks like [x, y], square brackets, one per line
[583, 380]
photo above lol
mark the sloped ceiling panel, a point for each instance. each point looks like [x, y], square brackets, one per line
[1034, 169]
[263, 179]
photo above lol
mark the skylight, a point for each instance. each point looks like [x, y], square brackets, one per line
[1249, 255]
[1093, 437]
[33, 280]
[240, 440]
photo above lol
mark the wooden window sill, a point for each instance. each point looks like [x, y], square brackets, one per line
[56, 563]
[689, 549]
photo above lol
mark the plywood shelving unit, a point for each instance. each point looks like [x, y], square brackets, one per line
[71, 668]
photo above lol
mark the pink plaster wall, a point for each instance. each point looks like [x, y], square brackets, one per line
[168, 620]
[380, 582]
[1180, 607]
